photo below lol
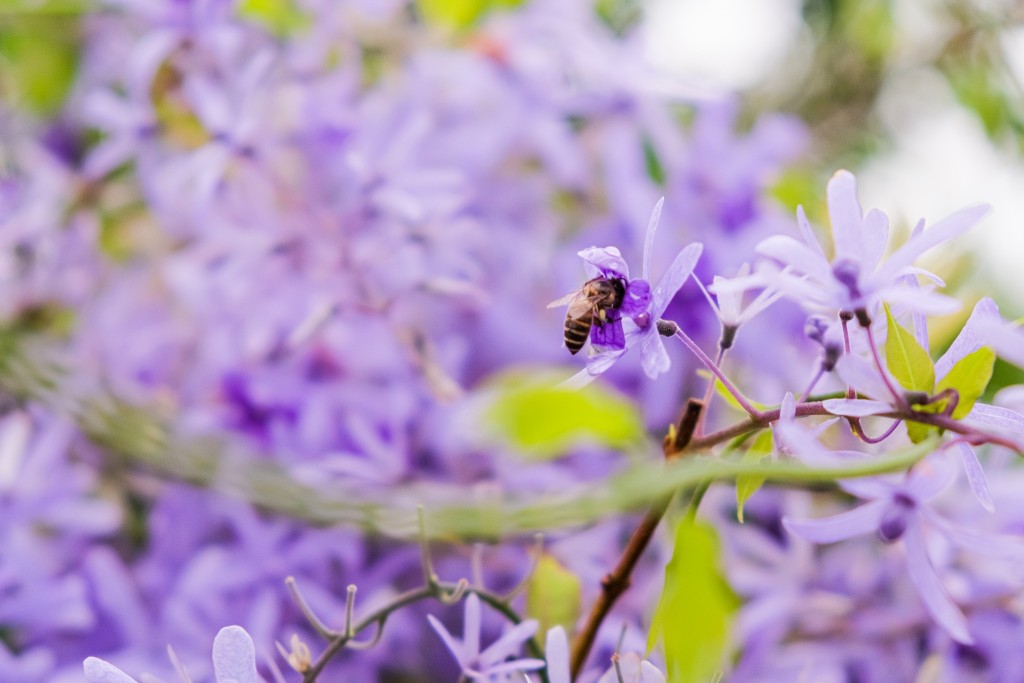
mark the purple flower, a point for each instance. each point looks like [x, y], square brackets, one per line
[234, 661]
[644, 307]
[491, 663]
[856, 279]
[899, 511]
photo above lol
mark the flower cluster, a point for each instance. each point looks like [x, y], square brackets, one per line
[310, 236]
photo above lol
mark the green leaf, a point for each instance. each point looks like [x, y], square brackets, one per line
[918, 432]
[970, 377]
[38, 58]
[729, 398]
[459, 14]
[907, 360]
[748, 484]
[543, 420]
[696, 607]
[281, 17]
[554, 594]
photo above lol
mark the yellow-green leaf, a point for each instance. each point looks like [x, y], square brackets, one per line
[748, 484]
[907, 360]
[544, 420]
[281, 17]
[969, 377]
[459, 14]
[695, 611]
[729, 398]
[553, 596]
[917, 431]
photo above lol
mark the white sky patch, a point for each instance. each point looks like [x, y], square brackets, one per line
[720, 43]
[941, 162]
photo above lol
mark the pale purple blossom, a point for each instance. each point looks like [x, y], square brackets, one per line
[902, 511]
[493, 663]
[234, 661]
[857, 279]
[641, 327]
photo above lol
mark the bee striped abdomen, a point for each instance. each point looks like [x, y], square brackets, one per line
[576, 332]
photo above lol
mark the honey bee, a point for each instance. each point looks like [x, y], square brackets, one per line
[587, 306]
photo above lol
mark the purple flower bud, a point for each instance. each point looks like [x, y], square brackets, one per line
[894, 518]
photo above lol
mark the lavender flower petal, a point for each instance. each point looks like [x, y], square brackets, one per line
[856, 407]
[860, 520]
[976, 476]
[99, 671]
[234, 656]
[930, 588]
[674, 277]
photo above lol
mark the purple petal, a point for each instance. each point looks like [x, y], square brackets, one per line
[509, 643]
[943, 231]
[976, 476]
[606, 261]
[608, 335]
[557, 651]
[930, 588]
[807, 232]
[650, 673]
[996, 416]
[923, 300]
[997, 546]
[787, 411]
[637, 298]
[99, 671]
[652, 229]
[868, 488]
[449, 641]
[598, 364]
[653, 356]
[234, 656]
[875, 236]
[860, 374]
[1007, 340]
[856, 407]
[845, 215]
[930, 477]
[970, 338]
[512, 666]
[798, 442]
[674, 277]
[471, 627]
[796, 254]
[855, 522]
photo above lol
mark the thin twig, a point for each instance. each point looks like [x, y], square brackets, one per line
[615, 583]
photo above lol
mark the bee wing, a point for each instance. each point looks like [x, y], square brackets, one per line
[566, 300]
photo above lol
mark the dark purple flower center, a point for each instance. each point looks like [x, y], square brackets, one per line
[895, 518]
[846, 273]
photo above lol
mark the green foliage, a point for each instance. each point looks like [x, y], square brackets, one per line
[748, 484]
[729, 398]
[912, 367]
[907, 360]
[554, 594]
[543, 420]
[655, 169]
[619, 15]
[696, 607]
[38, 58]
[460, 14]
[281, 17]
[969, 377]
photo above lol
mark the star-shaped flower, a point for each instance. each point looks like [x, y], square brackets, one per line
[900, 511]
[857, 279]
[640, 327]
[493, 662]
[234, 661]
